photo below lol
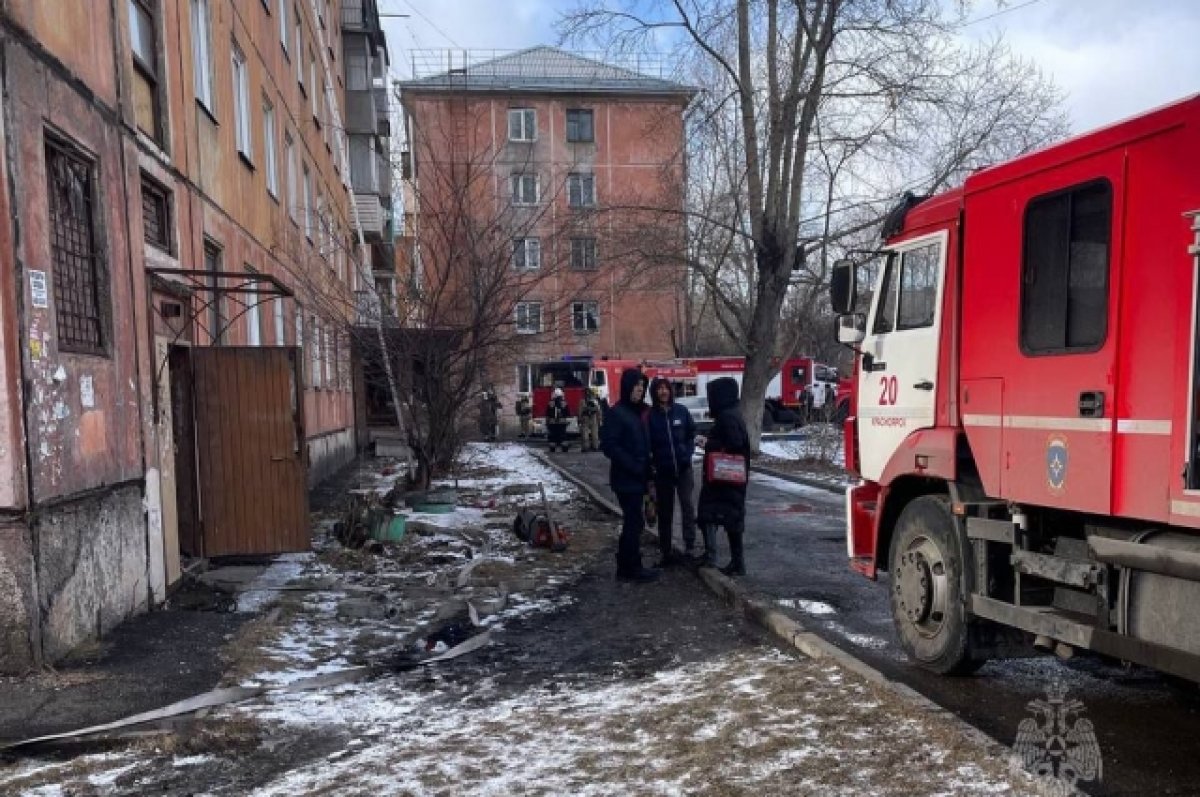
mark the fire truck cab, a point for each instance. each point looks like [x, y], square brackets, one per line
[1026, 422]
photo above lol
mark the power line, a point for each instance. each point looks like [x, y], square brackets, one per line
[998, 13]
[431, 24]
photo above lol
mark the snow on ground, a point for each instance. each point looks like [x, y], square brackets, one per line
[265, 588]
[817, 494]
[816, 608]
[820, 443]
[739, 723]
[519, 466]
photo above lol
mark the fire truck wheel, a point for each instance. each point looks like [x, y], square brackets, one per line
[926, 586]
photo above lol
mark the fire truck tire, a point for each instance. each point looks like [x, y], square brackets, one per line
[926, 584]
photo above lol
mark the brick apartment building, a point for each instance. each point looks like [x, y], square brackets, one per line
[565, 153]
[179, 205]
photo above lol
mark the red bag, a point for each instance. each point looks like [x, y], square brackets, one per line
[725, 468]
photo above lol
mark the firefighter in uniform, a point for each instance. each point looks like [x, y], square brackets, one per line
[524, 414]
[589, 422]
[558, 415]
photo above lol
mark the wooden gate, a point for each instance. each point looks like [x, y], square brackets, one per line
[249, 457]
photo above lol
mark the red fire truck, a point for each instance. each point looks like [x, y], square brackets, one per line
[800, 385]
[576, 373]
[1027, 428]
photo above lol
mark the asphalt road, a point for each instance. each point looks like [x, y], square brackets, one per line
[1148, 727]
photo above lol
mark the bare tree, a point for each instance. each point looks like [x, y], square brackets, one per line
[816, 113]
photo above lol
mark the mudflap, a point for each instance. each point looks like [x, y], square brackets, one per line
[862, 503]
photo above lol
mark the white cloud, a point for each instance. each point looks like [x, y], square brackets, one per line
[1114, 58]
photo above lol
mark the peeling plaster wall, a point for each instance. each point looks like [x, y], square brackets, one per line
[328, 454]
[91, 558]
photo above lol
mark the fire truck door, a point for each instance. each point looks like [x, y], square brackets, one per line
[898, 377]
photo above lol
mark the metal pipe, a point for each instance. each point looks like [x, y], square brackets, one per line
[1147, 558]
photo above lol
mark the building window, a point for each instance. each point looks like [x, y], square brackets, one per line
[147, 102]
[308, 218]
[280, 328]
[312, 84]
[522, 124]
[283, 25]
[529, 317]
[241, 103]
[216, 308]
[289, 147]
[580, 127]
[299, 50]
[524, 189]
[315, 330]
[581, 190]
[202, 54]
[300, 333]
[253, 319]
[331, 356]
[156, 215]
[80, 279]
[269, 151]
[1064, 277]
[583, 254]
[358, 65]
[524, 378]
[527, 254]
[585, 317]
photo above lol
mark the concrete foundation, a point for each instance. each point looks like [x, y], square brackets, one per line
[74, 574]
[20, 649]
[328, 454]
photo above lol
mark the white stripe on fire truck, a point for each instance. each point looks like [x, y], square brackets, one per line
[1134, 426]
[1124, 425]
[1185, 508]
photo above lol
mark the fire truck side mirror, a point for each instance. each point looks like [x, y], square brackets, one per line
[851, 329]
[843, 286]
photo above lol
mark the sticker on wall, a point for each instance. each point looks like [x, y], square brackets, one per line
[1057, 462]
[35, 348]
[37, 289]
[87, 391]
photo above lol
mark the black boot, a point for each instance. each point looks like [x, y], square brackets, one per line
[709, 557]
[737, 562]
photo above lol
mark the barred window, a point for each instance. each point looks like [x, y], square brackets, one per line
[80, 278]
[156, 215]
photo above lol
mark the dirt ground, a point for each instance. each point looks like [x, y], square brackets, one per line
[589, 685]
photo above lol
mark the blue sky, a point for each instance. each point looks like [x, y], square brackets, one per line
[1114, 58]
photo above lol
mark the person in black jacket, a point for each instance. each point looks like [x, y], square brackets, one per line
[624, 441]
[558, 415]
[672, 443]
[723, 503]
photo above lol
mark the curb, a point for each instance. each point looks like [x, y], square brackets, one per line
[806, 481]
[789, 632]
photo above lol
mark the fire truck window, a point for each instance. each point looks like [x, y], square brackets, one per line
[598, 379]
[885, 312]
[918, 287]
[1064, 302]
[799, 376]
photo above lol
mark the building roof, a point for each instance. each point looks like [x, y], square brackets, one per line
[540, 69]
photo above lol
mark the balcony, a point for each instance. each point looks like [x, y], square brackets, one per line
[362, 113]
[371, 216]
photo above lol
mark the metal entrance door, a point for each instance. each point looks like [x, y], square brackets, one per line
[249, 450]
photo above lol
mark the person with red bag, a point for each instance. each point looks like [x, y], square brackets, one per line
[726, 472]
